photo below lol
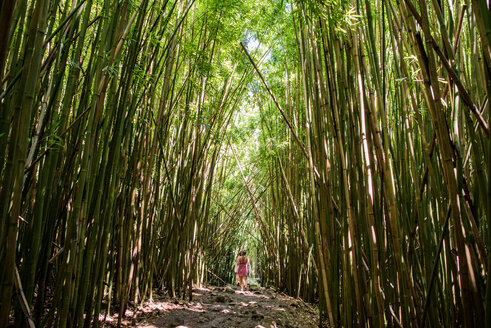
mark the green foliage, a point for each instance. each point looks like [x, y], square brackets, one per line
[159, 160]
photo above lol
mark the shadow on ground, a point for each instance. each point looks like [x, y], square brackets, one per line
[228, 307]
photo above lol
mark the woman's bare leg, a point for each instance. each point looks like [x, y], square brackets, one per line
[243, 282]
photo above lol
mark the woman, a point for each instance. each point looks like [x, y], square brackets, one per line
[242, 263]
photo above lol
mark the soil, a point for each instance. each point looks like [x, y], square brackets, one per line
[224, 307]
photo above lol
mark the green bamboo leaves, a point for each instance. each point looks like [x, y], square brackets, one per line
[360, 175]
[392, 115]
[120, 205]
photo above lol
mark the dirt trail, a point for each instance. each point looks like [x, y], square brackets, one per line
[227, 307]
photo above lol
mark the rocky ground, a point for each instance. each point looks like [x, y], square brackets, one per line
[225, 307]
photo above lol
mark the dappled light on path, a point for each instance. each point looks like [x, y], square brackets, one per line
[216, 307]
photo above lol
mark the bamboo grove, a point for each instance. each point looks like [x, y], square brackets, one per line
[390, 184]
[111, 127]
[344, 142]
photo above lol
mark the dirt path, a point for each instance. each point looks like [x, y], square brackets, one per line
[227, 307]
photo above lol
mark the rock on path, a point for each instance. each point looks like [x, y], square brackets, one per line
[228, 307]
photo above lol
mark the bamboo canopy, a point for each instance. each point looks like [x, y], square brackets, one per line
[345, 144]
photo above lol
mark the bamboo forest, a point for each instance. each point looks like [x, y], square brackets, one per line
[343, 145]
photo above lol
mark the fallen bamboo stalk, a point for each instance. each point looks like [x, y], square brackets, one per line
[22, 299]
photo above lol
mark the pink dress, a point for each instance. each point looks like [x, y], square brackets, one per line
[242, 272]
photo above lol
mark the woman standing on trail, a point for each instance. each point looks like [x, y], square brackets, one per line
[243, 263]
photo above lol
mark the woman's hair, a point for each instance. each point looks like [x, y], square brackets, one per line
[243, 253]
